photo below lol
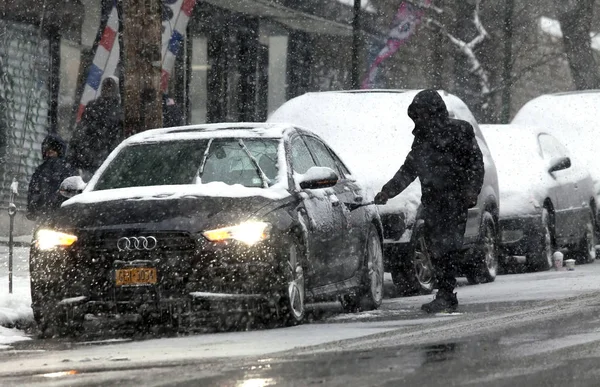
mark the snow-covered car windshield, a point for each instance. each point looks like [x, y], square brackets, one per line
[249, 162]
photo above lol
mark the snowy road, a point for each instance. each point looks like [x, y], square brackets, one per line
[523, 327]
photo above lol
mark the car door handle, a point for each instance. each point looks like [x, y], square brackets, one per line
[358, 199]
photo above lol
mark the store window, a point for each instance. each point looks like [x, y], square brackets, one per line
[70, 63]
[199, 80]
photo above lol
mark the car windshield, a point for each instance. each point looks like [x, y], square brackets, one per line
[249, 162]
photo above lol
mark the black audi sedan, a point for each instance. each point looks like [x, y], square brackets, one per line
[184, 223]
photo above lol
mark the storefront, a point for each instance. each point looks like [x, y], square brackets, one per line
[30, 55]
[243, 59]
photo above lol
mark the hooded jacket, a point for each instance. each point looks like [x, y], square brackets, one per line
[43, 197]
[444, 155]
[98, 133]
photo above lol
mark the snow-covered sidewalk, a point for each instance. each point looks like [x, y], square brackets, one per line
[15, 308]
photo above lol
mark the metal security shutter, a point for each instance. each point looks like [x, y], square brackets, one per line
[24, 76]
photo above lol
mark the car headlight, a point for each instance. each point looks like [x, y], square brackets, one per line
[50, 239]
[249, 233]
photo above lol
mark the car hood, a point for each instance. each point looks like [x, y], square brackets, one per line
[188, 213]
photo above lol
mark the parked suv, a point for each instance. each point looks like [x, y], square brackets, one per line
[183, 224]
[372, 132]
[572, 118]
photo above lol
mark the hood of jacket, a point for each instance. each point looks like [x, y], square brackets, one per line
[429, 113]
[54, 142]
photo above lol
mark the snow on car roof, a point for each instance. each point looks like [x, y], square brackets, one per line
[517, 156]
[221, 130]
[573, 119]
[370, 131]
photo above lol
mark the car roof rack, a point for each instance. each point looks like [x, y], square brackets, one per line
[205, 129]
[574, 92]
[397, 91]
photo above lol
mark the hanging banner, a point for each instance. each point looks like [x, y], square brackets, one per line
[403, 26]
[175, 17]
[105, 60]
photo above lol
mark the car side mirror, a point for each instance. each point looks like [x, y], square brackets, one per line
[559, 164]
[71, 186]
[318, 177]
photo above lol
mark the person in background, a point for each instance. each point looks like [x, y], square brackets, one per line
[99, 131]
[43, 197]
[172, 115]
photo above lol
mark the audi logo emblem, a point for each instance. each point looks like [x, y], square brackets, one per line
[139, 243]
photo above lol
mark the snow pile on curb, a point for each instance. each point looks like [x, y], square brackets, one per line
[15, 309]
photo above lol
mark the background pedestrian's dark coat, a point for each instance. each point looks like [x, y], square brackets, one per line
[98, 133]
[43, 197]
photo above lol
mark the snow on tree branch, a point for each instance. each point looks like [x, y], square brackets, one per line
[467, 48]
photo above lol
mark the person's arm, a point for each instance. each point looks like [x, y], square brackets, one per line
[33, 197]
[402, 179]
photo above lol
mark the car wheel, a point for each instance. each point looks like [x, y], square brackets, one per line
[485, 257]
[46, 313]
[586, 253]
[291, 309]
[370, 295]
[417, 275]
[541, 257]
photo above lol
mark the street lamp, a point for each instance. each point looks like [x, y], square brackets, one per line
[356, 44]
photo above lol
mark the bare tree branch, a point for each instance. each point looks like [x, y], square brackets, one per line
[467, 48]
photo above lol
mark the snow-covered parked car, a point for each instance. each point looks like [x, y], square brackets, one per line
[178, 222]
[546, 195]
[571, 117]
[372, 132]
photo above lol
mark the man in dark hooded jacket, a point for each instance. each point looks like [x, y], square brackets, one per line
[43, 197]
[447, 160]
[99, 131]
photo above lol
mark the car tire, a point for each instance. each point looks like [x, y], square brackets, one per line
[370, 294]
[416, 274]
[586, 251]
[291, 307]
[540, 258]
[485, 256]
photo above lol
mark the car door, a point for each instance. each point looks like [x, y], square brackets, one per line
[569, 205]
[320, 211]
[350, 194]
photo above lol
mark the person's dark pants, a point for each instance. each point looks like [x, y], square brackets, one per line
[445, 224]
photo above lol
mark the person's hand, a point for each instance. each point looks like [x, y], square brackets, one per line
[381, 198]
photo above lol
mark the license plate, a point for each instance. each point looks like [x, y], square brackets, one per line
[135, 276]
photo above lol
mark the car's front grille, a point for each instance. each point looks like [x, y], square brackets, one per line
[166, 241]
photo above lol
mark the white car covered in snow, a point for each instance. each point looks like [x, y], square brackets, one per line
[546, 195]
[371, 130]
[571, 117]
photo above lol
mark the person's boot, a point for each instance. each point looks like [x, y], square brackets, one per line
[443, 303]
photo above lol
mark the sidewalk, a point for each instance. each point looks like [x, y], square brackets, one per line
[15, 308]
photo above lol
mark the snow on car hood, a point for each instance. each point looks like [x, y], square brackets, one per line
[572, 119]
[522, 173]
[163, 192]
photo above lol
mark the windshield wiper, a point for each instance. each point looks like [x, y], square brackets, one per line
[203, 163]
[265, 180]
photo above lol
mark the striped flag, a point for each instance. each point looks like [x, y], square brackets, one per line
[176, 14]
[403, 26]
[173, 33]
[105, 61]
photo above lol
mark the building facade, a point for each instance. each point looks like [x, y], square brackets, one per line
[241, 59]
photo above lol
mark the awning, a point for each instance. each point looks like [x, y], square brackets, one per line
[312, 16]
